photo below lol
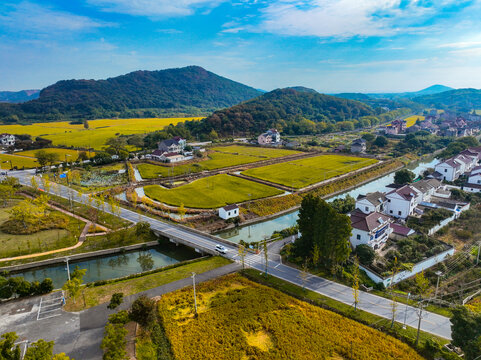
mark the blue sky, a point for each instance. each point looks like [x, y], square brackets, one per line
[329, 45]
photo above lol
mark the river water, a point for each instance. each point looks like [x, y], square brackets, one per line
[113, 266]
[257, 232]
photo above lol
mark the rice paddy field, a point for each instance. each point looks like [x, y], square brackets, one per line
[304, 172]
[239, 319]
[70, 154]
[9, 161]
[411, 120]
[220, 157]
[211, 192]
[64, 133]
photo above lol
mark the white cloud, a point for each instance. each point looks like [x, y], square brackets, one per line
[155, 8]
[461, 44]
[348, 18]
[31, 17]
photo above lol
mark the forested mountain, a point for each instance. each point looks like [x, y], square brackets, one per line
[461, 100]
[188, 90]
[288, 110]
[18, 96]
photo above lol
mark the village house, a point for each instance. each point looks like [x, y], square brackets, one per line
[358, 146]
[371, 202]
[270, 137]
[372, 229]
[7, 139]
[229, 211]
[452, 168]
[473, 184]
[174, 145]
[400, 203]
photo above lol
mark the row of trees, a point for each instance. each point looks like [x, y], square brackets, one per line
[39, 350]
[19, 287]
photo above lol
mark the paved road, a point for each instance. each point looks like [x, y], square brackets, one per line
[432, 323]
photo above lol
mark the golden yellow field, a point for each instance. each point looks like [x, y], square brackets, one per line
[8, 161]
[410, 121]
[72, 155]
[64, 133]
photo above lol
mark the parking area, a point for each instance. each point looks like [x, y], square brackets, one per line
[50, 305]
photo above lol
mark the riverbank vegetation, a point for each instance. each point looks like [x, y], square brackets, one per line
[102, 291]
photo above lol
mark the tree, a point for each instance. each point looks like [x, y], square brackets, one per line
[73, 285]
[8, 349]
[344, 205]
[143, 311]
[395, 270]
[86, 124]
[213, 135]
[6, 193]
[365, 254]
[320, 224]
[82, 156]
[115, 300]
[42, 157]
[46, 286]
[316, 255]
[404, 176]
[40, 350]
[142, 229]
[380, 141]
[181, 211]
[369, 137]
[114, 343]
[355, 282]
[466, 331]
[242, 255]
[116, 144]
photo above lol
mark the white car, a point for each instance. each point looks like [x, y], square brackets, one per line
[220, 249]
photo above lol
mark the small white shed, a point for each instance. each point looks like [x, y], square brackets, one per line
[229, 211]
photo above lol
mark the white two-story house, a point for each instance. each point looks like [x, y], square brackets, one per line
[372, 229]
[371, 202]
[401, 202]
[474, 180]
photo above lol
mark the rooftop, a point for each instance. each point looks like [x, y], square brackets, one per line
[368, 222]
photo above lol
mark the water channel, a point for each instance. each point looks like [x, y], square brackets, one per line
[114, 266]
[257, 232]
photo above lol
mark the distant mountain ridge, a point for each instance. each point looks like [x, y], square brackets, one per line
[188, 90]
[18, 96]
[287, 109]
[460, 99]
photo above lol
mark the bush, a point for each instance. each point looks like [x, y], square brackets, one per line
[143, 312]
[365, 253]
[46, 286]
[116, 300]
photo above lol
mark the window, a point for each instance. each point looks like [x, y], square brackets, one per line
[358, 237]
[399, 212]
[390, 211]
[388, 200]
[445, 170]
[367, 209]
[228, 213]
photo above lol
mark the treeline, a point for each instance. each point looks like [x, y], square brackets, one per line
[461, 100]
[190, 90]
[19, 287]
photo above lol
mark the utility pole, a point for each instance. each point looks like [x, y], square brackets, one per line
[439, 274]
[406, 312]
[195, 299]
[420, 316]
[68, 269]
[479, 250]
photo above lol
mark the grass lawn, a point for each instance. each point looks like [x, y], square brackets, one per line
[211, 192]
[411, 120]
[64, 133]
[72, 155]
[15, 245]
[101, 294]
[220, 157]
[304, 172]
[241, 319]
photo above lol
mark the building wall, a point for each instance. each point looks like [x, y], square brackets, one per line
[475, 179]
[447, 171]
[364, 237]
[396, 206]
[365, 206]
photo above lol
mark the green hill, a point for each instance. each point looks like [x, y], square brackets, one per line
[286, 109]
[189, 90]
[461, 99]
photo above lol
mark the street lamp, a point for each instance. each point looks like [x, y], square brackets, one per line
[68, 268]
[439, 274]
[195, 299]
[406, 311]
